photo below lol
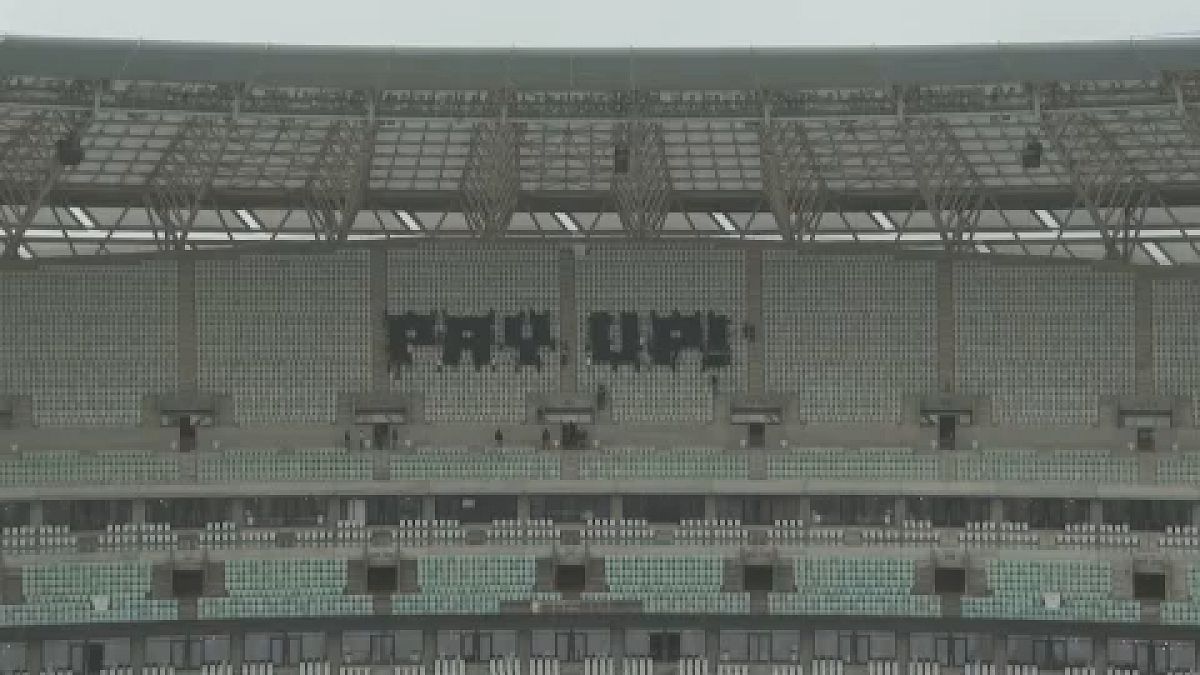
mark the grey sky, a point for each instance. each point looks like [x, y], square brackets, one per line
[604, 23]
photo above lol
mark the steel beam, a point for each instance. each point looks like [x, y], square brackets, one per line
[951, 190]
[792, 179]
[491, 178]
[181, 182]
[641, 178]
[29, 170]
[336, 186]
[1105, 181]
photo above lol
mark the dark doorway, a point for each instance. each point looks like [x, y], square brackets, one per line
[947, 431]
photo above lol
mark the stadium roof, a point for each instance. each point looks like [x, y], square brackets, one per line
[592, 69]
[1079, 149]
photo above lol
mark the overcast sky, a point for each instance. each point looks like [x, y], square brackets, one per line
[605, 23]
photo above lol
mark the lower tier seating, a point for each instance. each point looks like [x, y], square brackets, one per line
[872, 586]
[1066, 590]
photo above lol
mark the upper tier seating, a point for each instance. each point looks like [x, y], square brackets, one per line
[1060, 590]
[475, 464]
[285, 588]
[670, 584]
[618, 278]
[284, 334]
[471, 584]
[1181, 469]
[471, 281]
[854, 464]
[88, 342]
[852, 336]
[1177, 339]
[1044, 342]
[320, 464]
[104, 468]
[68, 593]
[1060, 466]
[873, 586]
[654, 464]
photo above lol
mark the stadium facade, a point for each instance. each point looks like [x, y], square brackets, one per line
[330, 360]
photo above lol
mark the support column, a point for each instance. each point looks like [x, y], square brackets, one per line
[34, 658]
[523, 507]
[712, 648]
[187, 335]
[428, 507]
[137, 512]
[903, 651]
[377, 306]
[429, 648]
[524, 649]
[237, 512]
[946, 326]
[570, 345]
[997, 509]
[756, 383]
[137, 651]
[333, 650]
[710, 507]
[1096, 512]
[901, 511]
[616, 510]
[1143, 334]
[37, 513]
[616, 645]
[807, 650]
[1100, 654]
[1000, 651]
[237, 649]
[333, 511]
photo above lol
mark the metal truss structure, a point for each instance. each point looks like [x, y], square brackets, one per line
[173, 160]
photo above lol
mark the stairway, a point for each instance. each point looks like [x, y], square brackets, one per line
[568, 322]
[755, 352]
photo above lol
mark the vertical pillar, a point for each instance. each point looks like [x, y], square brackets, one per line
[1095, 512]
[901, 511]
[946, 326]
[997, 509]
[710, 507]
[616, 509]
[34, 656]
[616, 645]
[37, 514]
[524, 649]
[377, 282]
[1143, 334]
[187, 336]
[237, 511]
[237, 649]
[1000, 651]
[523, 507]
[137, 651]
[137, 513]
[333, 650]
[429, 648]
[428, 507]
[333, 512]
[807, 650]
[903, 651]
[712, 648]
[756, 366]
[1100, 653]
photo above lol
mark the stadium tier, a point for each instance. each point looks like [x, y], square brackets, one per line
[335, 362]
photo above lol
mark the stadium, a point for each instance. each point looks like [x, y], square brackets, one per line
[830, 361]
